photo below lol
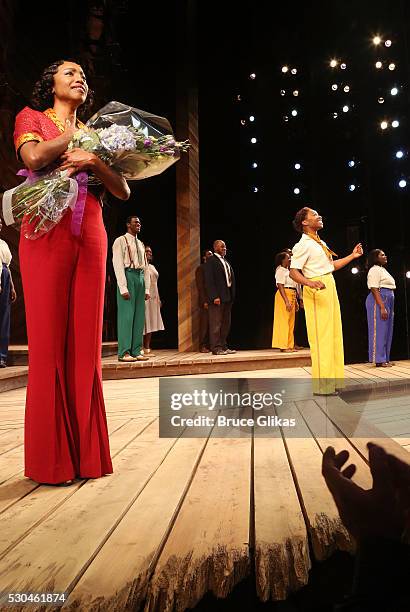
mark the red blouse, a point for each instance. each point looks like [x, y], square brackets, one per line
[32, 125]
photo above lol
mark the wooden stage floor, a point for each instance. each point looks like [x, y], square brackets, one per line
[180, 517]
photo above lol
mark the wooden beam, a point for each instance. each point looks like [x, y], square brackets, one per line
[188, 224]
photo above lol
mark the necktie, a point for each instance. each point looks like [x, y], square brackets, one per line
[228, 269]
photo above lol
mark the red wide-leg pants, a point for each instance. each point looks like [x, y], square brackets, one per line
[63, 280]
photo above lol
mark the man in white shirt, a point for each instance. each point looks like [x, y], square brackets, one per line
[133, 288]
[312, 266]
[220, 288]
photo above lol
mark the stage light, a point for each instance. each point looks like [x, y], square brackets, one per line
[399, 154]
[297, 166]
[238, 97]
[384, 125]
[379, 65]
[251, 118]
[293, 71]
[334, 115]
[351, 163]
[295, 92]
[294, 113]
[387, 43]
[343, 66]
[252, 76]
[394, 91]
[377, 40]
[354, 270]
[345, 109]
[253, 140]
[284, 69]
[296, 191]
[352, 187]
[407, 274]
[392, 66]
[255, 190]
[402, 183]
[381, 100]
[395, 123]
[285, 118]
[333, 63]
[282, 92]
[334, 87]
[254, 165]
[346, 88]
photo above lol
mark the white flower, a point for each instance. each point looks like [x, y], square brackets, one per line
[116, 138]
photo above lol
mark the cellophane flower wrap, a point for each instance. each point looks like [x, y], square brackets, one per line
[135, 143]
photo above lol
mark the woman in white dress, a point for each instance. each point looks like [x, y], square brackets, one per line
[153, 319]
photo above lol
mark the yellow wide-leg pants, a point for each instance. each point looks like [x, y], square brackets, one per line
[324, 328]
[284, 321]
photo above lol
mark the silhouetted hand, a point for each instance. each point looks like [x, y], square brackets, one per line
[379, 512]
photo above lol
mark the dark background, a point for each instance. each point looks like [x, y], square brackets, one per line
[134, 53]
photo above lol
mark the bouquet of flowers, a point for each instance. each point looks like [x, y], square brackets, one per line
[134, 143]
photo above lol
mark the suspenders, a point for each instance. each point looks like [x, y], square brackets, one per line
[129, 253]
[132, 265]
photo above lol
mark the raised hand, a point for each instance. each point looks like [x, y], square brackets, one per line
[378, 512]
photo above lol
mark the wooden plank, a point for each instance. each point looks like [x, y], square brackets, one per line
[360, 431]
[83, 523]
[305, 458]
[282, 559]
[136, 543]
[327, 434]
[208, 547]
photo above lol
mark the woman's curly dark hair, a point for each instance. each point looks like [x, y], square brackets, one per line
[279, 258]
[43, 97]
[372, 258]
[299, 217]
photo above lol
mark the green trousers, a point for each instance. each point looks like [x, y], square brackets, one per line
[131, 314]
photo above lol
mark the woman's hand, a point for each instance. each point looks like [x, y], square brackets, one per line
[384, 313]
[357, 251]
[288, 306]
[316, 285]
[13, 295]
[77, 160]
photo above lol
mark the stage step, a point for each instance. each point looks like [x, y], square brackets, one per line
[166, 363]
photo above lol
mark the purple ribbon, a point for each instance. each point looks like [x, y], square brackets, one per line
[78, 211]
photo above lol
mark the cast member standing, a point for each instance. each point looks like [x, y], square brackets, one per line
[133, 289]
[63, 281]
[220, 288]
[286, 305]
[7, 295]
[153, 319]
[312, 265]
[380, 308]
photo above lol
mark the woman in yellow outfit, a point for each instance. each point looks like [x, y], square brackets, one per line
[312, 265]
[286, 305]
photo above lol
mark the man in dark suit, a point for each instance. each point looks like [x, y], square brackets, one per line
[203, 303]
[220, 288]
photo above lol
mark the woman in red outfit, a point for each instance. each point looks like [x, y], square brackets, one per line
[63, 280]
